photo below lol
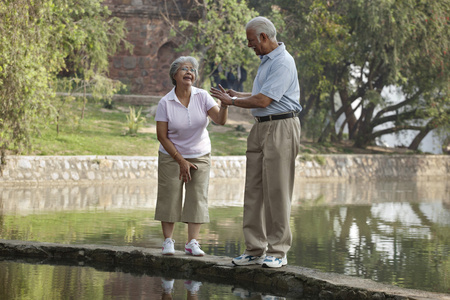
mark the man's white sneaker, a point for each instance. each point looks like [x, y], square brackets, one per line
[246, 260]
[168, 247]
[193, 248]
[274, 262]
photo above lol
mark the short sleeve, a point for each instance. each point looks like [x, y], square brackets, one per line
[210, 102]
[278, 82]
[161, 112]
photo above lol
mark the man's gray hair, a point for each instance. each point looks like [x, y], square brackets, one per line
[178, 62]
[262, 25]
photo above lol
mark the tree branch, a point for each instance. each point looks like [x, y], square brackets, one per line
[399, 105]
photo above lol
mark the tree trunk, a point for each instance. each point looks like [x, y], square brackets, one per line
[2, 161]
[312, 99]
[419, 137]
[325, 133]
[349, 114]
[362, 134]
[84, 101]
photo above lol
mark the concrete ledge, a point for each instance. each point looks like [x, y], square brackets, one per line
[288, 281]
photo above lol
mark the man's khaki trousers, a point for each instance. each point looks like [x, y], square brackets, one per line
[272, 148]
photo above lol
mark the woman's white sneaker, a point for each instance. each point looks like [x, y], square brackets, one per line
[168, 247]
[193, 248]
[167, 285]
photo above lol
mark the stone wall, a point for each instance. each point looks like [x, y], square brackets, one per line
[146, 69]
[86, 169]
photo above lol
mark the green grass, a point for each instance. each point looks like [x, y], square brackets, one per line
[103, 132]
[228, 143]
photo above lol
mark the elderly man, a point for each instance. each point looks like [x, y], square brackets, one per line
[272, 147]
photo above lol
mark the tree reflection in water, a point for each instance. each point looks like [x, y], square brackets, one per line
[55, 282]
[394, 232]
[390, 231]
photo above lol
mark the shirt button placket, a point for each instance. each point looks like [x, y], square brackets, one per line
[189, 116]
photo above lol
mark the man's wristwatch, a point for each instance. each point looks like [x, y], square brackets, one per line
[232, 100]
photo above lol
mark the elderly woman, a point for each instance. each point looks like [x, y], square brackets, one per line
[184, 154]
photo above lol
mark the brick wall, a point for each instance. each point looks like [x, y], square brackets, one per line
[146, 69]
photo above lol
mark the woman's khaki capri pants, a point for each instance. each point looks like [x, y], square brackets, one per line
[169, 203]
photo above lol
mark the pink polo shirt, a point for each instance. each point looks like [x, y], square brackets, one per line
[187, 125]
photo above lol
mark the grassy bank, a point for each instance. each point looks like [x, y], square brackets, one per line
[104, 131]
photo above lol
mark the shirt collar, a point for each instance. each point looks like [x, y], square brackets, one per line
[278, 50]
[173, 96]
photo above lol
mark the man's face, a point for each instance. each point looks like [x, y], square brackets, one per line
[253, 42]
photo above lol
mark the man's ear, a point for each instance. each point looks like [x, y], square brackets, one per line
[264, 37]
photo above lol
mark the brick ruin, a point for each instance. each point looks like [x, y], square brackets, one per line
[146, 69]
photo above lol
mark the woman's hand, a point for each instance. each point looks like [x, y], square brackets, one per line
[185, 169]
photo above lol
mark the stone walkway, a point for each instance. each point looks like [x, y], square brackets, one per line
[288, 281]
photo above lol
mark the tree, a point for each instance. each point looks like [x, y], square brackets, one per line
[218, 37]
[27, 60]
[91, 36]
[350, 52]
[37, 38]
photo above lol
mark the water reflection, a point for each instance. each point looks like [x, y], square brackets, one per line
[53, 282]
[23, 199]
[390, 231]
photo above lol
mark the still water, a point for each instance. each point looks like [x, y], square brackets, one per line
[394, 232]
[50, 282]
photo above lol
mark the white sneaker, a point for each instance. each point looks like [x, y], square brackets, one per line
[167, 285]
[274, 262]
[246, 260]
[192, 286]
[193, 248]
[241, 293]
[270, 297]
[168, 247]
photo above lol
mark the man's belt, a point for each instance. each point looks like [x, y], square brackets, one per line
[276, 117]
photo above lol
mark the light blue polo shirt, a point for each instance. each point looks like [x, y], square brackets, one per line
[277, 79]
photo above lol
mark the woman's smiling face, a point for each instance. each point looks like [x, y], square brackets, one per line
[185, 74]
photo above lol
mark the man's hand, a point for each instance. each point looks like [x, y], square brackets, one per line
[223, 95]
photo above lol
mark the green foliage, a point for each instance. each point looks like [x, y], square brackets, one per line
[320, 160]
[92, 37]
[348, 51]
[134, 121]
[218, 37]
[38, 39]
[308, 157]
[27, 58]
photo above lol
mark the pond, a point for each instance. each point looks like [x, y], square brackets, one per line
[40, 281]
[395, 232]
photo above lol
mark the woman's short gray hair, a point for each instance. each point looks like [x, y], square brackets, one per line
[262, 25]
[178, 62]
